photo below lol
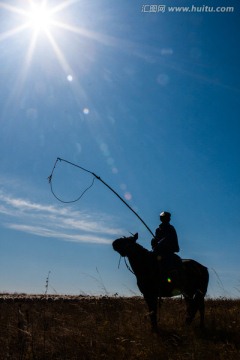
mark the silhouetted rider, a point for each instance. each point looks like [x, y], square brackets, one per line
[165, 245]
[166, 241]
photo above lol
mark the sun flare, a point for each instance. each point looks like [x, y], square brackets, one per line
[40, 18]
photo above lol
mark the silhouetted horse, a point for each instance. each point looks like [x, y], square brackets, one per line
[145, 267]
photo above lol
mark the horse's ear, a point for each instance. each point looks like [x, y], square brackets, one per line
[135, 237]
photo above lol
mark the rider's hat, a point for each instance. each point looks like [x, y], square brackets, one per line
[165, 214]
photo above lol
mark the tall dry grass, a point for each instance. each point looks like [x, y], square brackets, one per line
[86, 328]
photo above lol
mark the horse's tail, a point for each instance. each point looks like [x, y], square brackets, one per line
[205, 277]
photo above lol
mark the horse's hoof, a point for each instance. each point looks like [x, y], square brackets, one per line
[155, 329]
[188, 321]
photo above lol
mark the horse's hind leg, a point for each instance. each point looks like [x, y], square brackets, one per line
[201, 307]
[193, 305]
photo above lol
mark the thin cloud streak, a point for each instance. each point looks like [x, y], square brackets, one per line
[45, 232]
[61, 223]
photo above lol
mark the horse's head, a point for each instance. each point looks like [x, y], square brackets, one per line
[122, 245]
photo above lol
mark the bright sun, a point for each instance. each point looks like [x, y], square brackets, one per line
[40, 18]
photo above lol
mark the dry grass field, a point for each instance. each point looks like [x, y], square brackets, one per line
[86, 328]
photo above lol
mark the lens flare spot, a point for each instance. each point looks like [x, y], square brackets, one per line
[86, 111]
[104, 149]
[123, 186]
[128, 196]
[114, 170]
[169, 280]
[110, 161]
[166, 51]
[70, 78]
[32, 114]
[163, 79]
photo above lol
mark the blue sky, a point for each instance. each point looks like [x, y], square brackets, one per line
[149, 102]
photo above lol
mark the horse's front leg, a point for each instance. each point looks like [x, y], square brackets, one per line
[152, 302]
[191, 311]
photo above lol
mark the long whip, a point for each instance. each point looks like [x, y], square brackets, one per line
[102, 181]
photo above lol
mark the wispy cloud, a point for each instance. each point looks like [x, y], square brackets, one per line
[62, 223]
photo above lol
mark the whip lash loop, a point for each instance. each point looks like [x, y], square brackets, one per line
[97, 177]
[57, 197]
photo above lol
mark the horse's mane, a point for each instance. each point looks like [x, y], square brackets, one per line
[142, 249]
[141, 253]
